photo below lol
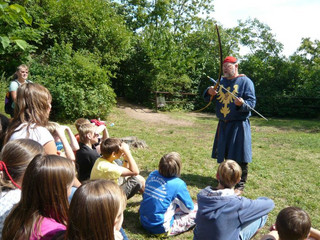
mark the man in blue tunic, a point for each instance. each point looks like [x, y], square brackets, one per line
[233, 136]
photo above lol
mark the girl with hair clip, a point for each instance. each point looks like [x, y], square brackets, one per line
[42, 210]
[96, 212]
[15, 157]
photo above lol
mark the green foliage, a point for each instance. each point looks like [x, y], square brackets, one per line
[80, 87]
[164, 45]
[90, 24]
[77, 45]
[146, 46]
[17, 36]
[306, 61]
[259, 39]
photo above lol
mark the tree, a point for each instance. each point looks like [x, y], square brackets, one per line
[258, 38]
[82, 50]
[162, 31]
[307, 61]
[18, 35]
[93, 25]
[11, 16]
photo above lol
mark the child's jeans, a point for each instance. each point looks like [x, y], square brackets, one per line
[249, 230]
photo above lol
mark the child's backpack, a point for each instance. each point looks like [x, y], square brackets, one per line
[8, 101]
[8, 104]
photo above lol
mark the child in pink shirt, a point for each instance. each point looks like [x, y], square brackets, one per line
[42, 210]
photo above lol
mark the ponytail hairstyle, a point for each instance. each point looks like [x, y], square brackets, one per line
[44, 194]
[32, 106]
[96, 209]
[15, 158]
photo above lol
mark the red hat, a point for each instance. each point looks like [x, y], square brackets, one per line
[230, 59]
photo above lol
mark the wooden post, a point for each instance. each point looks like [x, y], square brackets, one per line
[156, 101]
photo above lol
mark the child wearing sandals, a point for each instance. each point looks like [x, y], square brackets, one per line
[167, 208]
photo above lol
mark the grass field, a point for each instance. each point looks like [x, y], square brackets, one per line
[285, 167]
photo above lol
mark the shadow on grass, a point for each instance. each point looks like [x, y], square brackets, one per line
[190, 179]
[132, 225]
[198, 180]
[133, 204]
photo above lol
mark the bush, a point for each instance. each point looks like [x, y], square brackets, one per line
[80, 87]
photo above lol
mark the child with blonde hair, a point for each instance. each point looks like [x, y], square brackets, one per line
[87, 155]
[101, 129]
[224, 215]
[167, 208]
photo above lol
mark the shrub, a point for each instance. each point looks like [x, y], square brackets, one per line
[80, 87]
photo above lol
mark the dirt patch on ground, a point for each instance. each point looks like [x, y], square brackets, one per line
[150, 116]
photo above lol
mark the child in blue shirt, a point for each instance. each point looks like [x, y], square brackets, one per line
[167, 208]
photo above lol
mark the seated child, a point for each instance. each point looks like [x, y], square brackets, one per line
[96, 212]
[167, 208]
[43, 208]
[127, 176]
[86, 156]
[78, 123]
[15, 158]
[292, 224]
[223, 215]
[101, 128]
[58, 133]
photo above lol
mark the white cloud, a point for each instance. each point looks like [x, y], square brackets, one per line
[289, 20]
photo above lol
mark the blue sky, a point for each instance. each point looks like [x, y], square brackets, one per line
[289, 20]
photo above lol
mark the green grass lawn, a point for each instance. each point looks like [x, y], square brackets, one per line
[286, 160]
[285, 167]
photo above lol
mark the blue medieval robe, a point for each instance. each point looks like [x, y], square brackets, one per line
[233, 135]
